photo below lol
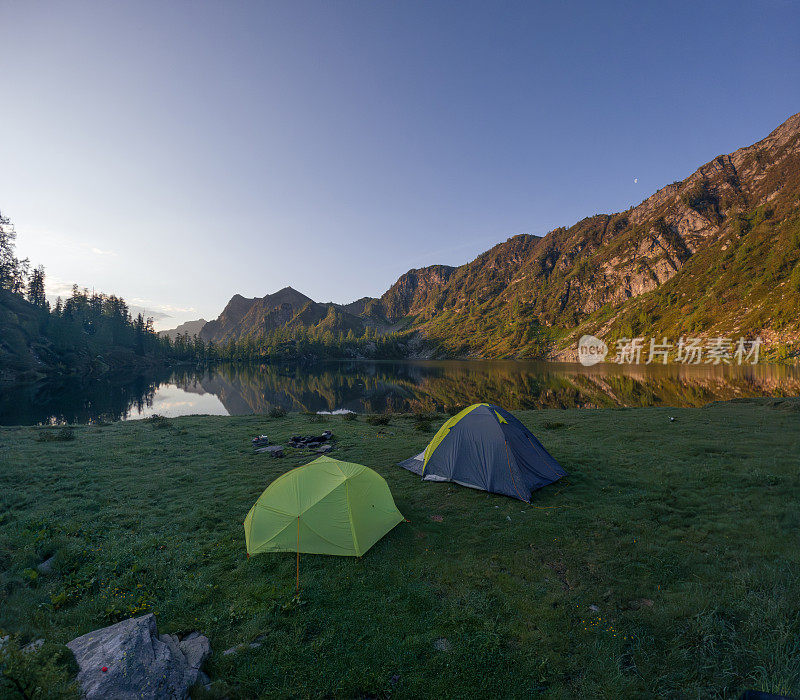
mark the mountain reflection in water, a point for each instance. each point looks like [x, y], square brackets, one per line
[375, 387]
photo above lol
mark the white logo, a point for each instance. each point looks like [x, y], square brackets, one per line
[591, 350]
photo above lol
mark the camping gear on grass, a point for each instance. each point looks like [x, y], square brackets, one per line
[485, 447]
[260, 441]
[309, 442]
[325, 507]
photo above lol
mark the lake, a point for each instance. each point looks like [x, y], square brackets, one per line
[375, 387]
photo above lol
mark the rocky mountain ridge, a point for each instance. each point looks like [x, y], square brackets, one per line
[652, 268]
[190, 328]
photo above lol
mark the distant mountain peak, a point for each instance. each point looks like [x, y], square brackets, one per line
[256, 316]
[190, 328]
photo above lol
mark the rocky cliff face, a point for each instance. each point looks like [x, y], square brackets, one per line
[229, 319]
[414, 291]
[737, 215]
[718, 250]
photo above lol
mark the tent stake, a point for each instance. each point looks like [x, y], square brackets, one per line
[297, 584]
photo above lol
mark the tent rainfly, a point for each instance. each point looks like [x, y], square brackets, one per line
[485, 447]
[324, 507]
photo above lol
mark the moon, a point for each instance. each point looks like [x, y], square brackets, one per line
[635, 180]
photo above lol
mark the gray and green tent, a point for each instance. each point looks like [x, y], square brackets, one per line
[485, 447]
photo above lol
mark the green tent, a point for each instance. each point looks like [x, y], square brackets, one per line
[325, 507]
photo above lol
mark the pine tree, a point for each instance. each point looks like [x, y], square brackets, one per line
[36, 287]
[13, 271]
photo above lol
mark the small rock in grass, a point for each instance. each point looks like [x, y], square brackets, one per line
[241, 647]
[273, 450]
[442, 644]
[47, 565]
[33, 646]
[594, 608]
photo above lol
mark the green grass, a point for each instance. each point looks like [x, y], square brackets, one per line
[684, 534]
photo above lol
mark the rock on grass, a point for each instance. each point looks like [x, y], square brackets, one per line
[139, 663]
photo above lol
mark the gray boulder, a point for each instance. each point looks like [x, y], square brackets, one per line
[139, 663]
[47, 565]
[196, 648]
[274, 450]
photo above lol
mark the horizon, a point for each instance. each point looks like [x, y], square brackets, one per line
[341, 146]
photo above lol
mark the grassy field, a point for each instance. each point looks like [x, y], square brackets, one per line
[666, 564]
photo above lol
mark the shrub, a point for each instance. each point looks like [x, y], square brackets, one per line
[160, 422]
[163, 423]
[741, 226]
[424, 416]
[423, 426]
[378, 419]
[65, 434]
[794, 279]
[314, 417]
[350, 416]
[277, 412]
[795, 235]
[46, 672]
[552, 425]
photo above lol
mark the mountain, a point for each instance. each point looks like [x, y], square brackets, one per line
[192, 328]
[229, 320]
[286, 308]
[715, 254]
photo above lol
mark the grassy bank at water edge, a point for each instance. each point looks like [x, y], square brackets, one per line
[666, 564]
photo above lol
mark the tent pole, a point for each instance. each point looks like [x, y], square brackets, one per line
[297, 584]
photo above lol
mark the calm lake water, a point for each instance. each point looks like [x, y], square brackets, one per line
[374, 387]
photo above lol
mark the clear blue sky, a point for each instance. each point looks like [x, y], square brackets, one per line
[178, 152]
